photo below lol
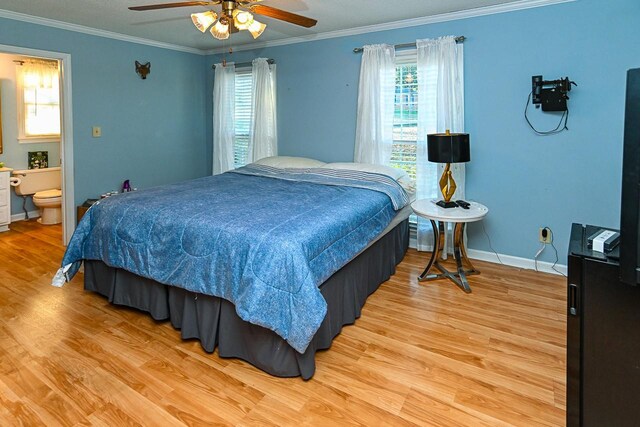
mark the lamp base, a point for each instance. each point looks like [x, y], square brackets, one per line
[447, 205]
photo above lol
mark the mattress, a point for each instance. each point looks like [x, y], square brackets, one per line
[401, 215]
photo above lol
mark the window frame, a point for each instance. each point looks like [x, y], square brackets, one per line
[23, 137]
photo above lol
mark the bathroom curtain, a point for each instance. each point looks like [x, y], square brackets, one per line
[376, 91]
[440, 107]
[40, 73]
[263, 133]
[223, 117]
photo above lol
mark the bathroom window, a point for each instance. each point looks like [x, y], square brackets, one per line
[38, 101]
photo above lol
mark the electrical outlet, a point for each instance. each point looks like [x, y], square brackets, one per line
[545, 235]
[96, 131]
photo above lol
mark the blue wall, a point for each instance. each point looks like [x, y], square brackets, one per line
[527, 181]
[153, 131]
[159, 130]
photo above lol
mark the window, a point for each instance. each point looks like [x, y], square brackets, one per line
[242, 119]
[405, 118]
[38, 101]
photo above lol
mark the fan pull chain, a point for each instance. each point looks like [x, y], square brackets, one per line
[224, 59]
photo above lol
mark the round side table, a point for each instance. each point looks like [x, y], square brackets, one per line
[426, 208]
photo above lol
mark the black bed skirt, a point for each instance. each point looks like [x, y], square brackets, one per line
[214, 321]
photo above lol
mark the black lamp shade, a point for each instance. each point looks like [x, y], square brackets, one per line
[448, 148]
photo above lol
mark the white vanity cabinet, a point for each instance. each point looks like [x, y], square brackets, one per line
[5, 199]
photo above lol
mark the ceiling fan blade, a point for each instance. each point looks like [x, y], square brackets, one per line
[170, 5]
[283, 15]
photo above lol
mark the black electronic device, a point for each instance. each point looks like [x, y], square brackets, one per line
[603, 240]
[630, 205]
[550, 94]
[463, 204]
[536, 88]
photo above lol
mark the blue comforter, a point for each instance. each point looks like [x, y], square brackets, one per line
[260, 237]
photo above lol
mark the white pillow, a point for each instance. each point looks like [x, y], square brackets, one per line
[367, 167]
[408, 184]
[398, 174]
[290, 162]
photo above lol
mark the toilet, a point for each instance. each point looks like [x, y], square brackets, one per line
[44, 186]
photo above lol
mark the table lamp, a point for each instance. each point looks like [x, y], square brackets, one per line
[448, 148]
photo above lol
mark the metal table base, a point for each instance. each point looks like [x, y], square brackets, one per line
[464, 266]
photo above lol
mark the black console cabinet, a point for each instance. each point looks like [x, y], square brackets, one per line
[603, 339]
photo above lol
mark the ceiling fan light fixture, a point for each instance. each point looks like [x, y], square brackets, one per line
[242, 19]
[234, 15]
[220, 31]
[203, 20]
[256, 28]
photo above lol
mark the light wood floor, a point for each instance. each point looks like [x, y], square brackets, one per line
[421, 354]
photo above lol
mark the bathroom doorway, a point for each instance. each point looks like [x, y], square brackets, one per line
[63, 152]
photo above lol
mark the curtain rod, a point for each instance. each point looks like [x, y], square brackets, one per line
[459, 39]
[248, 64]
[51, 62]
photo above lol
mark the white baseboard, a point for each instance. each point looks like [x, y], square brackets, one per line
[20, 216]
[512, 261]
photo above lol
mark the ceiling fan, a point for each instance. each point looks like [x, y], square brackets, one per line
[235, 15]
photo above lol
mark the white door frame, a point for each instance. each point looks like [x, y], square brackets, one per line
[66, 141]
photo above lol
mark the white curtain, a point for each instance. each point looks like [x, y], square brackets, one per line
[40, 73]
[223, 117]
[440, 107]
[374, 127]
[263, 135]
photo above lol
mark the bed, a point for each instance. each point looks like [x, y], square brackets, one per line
[263, 263]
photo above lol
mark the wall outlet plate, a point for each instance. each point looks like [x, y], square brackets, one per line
[545, 235]
[96, 131]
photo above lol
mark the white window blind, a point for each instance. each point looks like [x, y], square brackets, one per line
[242, 120]
[405, 118]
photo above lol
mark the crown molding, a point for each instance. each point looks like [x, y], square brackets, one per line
[413, 22]
[95, 32]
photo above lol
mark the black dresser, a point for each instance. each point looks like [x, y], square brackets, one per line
[603, 338]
